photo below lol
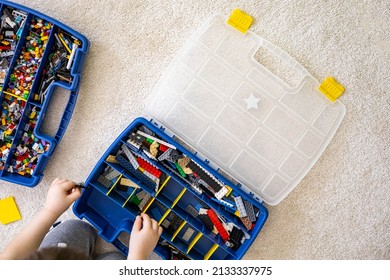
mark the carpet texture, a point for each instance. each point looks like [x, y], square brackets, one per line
[341, 209]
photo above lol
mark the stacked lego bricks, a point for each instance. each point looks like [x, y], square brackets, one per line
[35, 53]
[204, 216]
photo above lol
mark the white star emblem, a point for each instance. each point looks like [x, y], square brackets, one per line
[251, 102]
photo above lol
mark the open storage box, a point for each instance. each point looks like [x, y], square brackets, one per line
[225, 135]
[37, 55]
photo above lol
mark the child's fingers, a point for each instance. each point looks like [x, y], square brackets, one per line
[75, 194]
[68, 185]
[137, 224]
[147, 223]
[160, 230]
[154, 225]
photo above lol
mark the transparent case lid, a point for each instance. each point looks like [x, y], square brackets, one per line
[222, 102]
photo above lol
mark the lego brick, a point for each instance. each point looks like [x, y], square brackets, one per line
[130, 156]
[138, 174]
[246, 222]
[111, 159]
[156, 139]
[122, 188]
[217, 223]
[149, 167]
[188, 234]
[9, 211]
[113, 173]
[249, 211]
[175, 223]
[153, 149]
[104, 181]
[147, 130]
[240, 206]
[205, 176]
[224, 203]
[165, 224]
[222, 192]
[165, 155]
[192, 211]
[128, 183]
[236, 237]
[206, 221]
[144, 202]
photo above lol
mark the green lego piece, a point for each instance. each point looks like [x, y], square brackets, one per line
[180, 170]
[134, 199]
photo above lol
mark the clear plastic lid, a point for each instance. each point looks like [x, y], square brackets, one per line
[222, 102]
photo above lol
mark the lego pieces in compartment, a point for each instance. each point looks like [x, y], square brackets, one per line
[59, 64]
[12, 23]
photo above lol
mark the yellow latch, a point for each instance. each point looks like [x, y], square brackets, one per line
[331, 88]
[240, 20]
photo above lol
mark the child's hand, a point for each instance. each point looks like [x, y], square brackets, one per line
[144, 237]
[62, 193]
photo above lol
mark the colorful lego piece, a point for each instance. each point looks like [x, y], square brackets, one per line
[247, 223]
[148, 167]
[9, 211]
[217, 223]
[156, 139]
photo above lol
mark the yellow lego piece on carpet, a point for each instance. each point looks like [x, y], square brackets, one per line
[9, 211]
[331, 88]
[240, 20]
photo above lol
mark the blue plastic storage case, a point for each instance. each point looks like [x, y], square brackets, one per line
[230, 119]
[25, 148]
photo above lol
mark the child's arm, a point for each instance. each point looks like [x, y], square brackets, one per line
[62, 193]
[144, 237]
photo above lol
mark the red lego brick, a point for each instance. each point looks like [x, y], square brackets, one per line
[217, 223]
[148, 167]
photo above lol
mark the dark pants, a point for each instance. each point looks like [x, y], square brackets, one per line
[79, 234]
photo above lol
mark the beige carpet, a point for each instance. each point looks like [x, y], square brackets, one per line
[341, 209]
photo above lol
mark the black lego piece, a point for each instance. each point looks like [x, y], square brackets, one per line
[204, 176]
[235, 237]
[207, 222]
[175, 224]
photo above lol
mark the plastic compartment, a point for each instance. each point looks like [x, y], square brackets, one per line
[28, 101]
[168, 201]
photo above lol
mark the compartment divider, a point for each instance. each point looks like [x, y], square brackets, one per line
[193, 242]
[132, 193]
[178, 229]
[211, 251]
[113, 186]
[178, 197]
[164, 216]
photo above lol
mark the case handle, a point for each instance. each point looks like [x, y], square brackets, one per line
[66, 116]
[284, 56]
